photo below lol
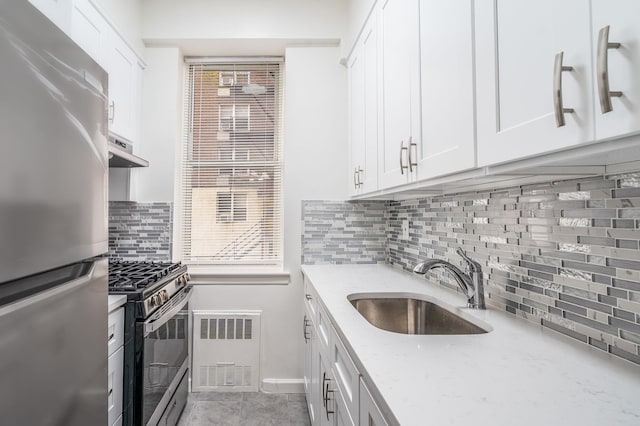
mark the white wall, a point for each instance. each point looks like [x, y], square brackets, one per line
[315, 133]
[315, 155]
[161, 126]
[231, 20]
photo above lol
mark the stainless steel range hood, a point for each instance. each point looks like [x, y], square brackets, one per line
[120, 155]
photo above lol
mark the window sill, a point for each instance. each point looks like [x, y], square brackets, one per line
[201, 275]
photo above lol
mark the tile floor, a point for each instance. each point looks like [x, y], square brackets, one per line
[245, 409]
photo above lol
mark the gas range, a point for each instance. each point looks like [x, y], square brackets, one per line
[156, 355]
[151, 284]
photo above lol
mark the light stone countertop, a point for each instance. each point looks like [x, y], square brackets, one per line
[115, 301]
[517, 374]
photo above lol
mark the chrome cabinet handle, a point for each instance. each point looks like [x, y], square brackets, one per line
[411, 163]
[402, 148]
[558, 106]
[326, 402]
[355, 178]
[305, 324]
[359, 180]
[602, 70]
[111, 336]
[308, 296]
[324, 379]
[112, 111]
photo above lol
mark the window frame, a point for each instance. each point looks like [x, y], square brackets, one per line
[271, 268]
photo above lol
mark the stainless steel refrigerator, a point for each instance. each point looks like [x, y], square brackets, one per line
[53, 225]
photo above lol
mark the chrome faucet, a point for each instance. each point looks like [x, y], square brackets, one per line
[470, 283]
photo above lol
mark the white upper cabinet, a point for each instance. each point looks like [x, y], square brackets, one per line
[93, 32]
[89, 29]
[623, 19]
[519, 76]
[123, 69]
[446, 80]
[399, 76]
[363, 106]
[58, 11]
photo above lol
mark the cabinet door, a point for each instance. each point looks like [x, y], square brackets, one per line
[400, 126]
[89, 29]
[115, 384]
[446, 81]
[121, 64]
[311, 386]
[58, 11]
[516, 45]
[341, 413]
[357, 126]
[325, 410]
[363, 96]
[623, 63]
[369, 413]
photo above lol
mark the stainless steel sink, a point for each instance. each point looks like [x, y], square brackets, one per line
[412, 316]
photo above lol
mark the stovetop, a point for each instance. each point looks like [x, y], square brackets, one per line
[135, 277]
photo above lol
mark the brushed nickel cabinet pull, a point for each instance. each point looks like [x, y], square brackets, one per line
[602, 70]
[558, 106]
[402, 148]
[411, 163]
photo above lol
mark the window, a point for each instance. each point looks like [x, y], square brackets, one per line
[234, 118]
[231, 207]
[234, 78]
[232, 165]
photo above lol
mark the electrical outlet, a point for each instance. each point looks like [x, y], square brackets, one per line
[405, 229]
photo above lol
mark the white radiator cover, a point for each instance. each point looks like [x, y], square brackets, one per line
[226, 351]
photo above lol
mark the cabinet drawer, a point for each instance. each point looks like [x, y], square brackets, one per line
[310, 299]
[323, 327]
[345, 374]
[116, 367]
[115, 330]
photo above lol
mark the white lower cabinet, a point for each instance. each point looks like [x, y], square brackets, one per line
[370, 414]
[332, 383]
[311, 387]
[116, 371]
[115, 353]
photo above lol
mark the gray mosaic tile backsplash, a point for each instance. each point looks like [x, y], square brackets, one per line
[564, 254]
[140, 231]
[339, 232]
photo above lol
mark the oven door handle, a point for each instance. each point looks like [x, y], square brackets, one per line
[153, 325]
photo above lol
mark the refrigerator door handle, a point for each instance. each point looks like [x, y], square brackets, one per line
[50, 292]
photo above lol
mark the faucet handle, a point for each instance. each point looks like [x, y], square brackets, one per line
[472, 265]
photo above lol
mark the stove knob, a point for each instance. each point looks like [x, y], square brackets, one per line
[158, 299]
[187, 277]
[165, 295]
[152, 303]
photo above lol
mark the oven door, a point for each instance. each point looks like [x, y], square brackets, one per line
[165, 355]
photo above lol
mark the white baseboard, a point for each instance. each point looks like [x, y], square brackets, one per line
[283, 385]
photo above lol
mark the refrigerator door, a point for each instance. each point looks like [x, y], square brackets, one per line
[53, 150]
[54, 347]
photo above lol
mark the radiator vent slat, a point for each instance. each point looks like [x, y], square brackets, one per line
[225, 328]
[226, 350]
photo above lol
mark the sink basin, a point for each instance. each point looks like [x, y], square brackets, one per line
[412, 316]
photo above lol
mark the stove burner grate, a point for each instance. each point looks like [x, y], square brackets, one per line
[131, 276]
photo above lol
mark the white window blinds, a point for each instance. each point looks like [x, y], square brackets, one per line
[232, 164]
